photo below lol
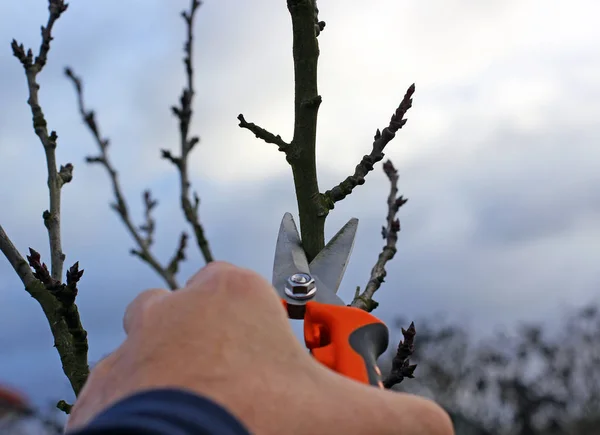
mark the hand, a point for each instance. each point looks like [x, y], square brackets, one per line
[226, 336]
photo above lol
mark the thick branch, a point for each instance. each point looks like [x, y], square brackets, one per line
[184, 114]
[55, 179]
[263, 134]
[390, 234]
[365, 166]
[120, 205]
[307, 100]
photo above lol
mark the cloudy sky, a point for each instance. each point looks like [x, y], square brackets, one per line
[497, 157]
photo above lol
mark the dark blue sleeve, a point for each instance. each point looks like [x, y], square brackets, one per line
[164, 412]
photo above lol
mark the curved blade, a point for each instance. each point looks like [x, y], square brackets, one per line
[330, 264]
[289, 254]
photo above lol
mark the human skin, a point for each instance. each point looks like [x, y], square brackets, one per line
[226, 336]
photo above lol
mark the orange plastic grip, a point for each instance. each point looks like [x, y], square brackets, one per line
[348, 340]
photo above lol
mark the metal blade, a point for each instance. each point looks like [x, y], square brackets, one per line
[289, 254]
[330, 264]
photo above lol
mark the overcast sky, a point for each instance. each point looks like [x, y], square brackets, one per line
[499, 156]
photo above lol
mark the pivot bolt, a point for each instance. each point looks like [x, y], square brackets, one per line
[300, 286]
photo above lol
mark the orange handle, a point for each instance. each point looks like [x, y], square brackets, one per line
[348, 340]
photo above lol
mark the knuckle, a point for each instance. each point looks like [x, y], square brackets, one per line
[245, 285]
[228, 282]
[223, 272]
[219, 266]
[241, 280]
[135, 311]
[214, 269]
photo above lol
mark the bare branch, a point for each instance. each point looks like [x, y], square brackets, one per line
[301, 154]
[120, 205]
[365, 166]
[184, 113]
[390, 234]
[401, 367]
[56, 179]
[263, 134]
[56, 299]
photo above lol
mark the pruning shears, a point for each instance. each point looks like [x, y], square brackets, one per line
[346, 339]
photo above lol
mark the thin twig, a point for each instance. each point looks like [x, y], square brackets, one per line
[263, 134]
[184, 114]
[120, 205]
[56, 179]
[365, 166]
[401, 367]
[390, 234]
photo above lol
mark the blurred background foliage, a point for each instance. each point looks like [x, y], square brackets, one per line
[529, 381]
